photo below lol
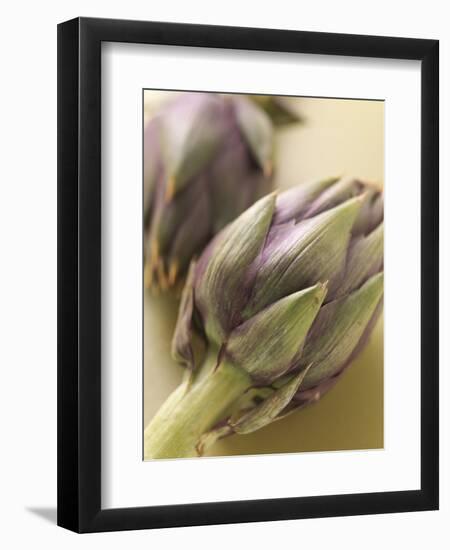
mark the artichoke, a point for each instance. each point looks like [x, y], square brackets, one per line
[284, 298]
[207, 157]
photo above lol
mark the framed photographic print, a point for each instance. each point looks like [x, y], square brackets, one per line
[247, 274]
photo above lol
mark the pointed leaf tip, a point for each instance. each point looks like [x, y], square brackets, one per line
[337, 330]
[300, 255]
[182, 339]
[220, 291]
[270, 408]
[265, 345]
[256, 128]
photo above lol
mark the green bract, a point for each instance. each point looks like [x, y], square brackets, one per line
[284, 298]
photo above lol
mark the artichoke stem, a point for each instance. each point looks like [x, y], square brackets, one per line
[193, 409]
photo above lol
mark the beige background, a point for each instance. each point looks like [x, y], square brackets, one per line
[336, 137]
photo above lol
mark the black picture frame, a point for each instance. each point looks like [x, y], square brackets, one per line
[79, 274]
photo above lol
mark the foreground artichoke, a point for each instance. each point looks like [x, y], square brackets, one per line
[207, 157]
[284, 298]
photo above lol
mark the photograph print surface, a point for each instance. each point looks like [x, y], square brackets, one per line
[262, 273]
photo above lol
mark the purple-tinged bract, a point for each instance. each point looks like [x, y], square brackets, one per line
[318, 247]
[207, 157]
[284, 297]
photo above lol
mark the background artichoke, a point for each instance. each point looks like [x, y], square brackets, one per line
[284, 298]
[207, 157]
